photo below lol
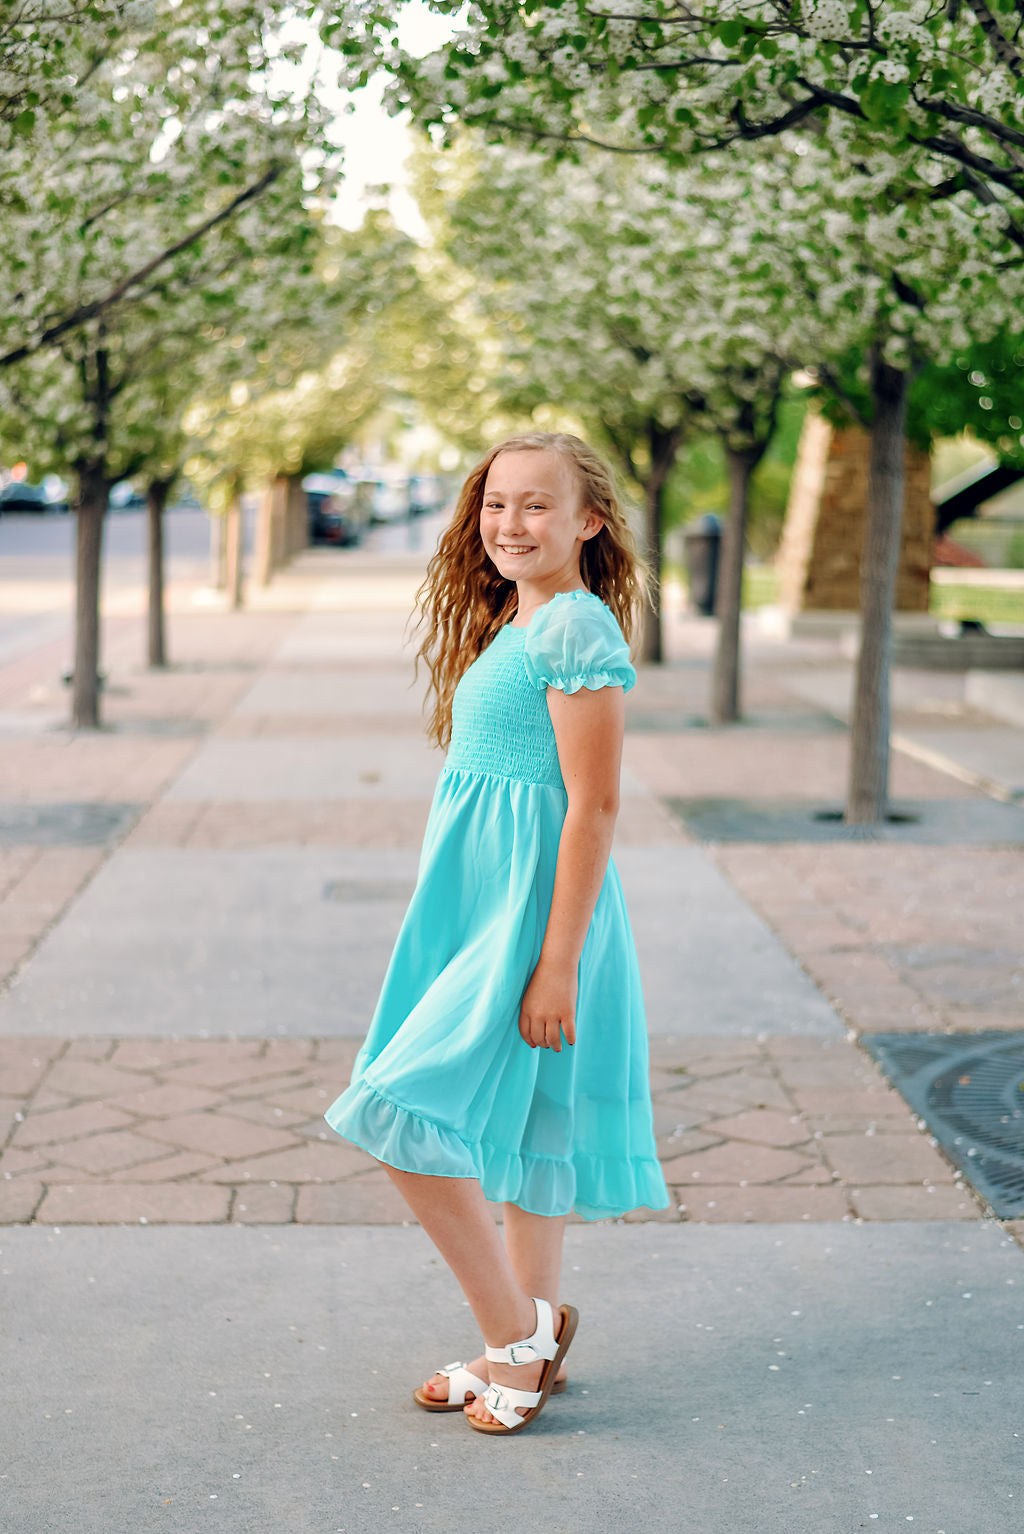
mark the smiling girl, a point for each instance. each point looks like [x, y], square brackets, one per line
[506, 1060]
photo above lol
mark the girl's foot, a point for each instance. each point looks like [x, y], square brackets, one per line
[436, 1387]
[525, 1377]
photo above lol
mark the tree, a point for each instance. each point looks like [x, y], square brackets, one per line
[328, 369]
[980, 389]
[662, 318]
[110, 113]
[45, 46]
[919, 112]
[928, 287]
[108, 186]
[936, 84]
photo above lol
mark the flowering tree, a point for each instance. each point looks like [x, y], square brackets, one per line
[111, 106]
[156, 203]
[45, 46]
[688, 287]
[908, 78]
[638, 320]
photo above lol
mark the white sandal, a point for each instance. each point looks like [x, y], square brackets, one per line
[501, 1400]
[461, 1382]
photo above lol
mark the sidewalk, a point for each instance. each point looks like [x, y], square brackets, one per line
[196, 907]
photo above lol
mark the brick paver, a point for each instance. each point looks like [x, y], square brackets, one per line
[745, 1132]
[898, 937]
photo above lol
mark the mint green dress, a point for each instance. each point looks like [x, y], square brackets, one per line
[444, 1084]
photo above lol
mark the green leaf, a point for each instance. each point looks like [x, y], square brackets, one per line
[730, 32]
[25, 121]
[883, 102]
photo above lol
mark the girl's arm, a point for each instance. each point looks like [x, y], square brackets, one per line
[588, 734]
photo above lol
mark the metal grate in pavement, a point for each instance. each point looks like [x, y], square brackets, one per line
[924, 822]
[64, 825]
[969, 1089]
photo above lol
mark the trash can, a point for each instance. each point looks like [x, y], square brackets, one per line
[701, 542]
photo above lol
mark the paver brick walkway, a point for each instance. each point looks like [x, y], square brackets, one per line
[107, 1130]
[898, 937]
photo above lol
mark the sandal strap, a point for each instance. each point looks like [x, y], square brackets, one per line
[460, 1382]
[501, 1401]
[531, 1350]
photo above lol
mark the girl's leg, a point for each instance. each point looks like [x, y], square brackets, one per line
[456, 1217]
[533, 1243]
[534, 1246]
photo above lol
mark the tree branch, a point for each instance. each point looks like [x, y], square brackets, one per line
[89, 311]
[1003, 49]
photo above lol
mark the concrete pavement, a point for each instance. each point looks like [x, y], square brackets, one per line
[195, 909]
[791, 1379]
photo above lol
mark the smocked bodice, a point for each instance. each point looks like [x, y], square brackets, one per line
[500, 720]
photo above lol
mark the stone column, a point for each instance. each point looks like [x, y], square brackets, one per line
[819, 555]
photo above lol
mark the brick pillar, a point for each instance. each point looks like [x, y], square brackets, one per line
[819, 555]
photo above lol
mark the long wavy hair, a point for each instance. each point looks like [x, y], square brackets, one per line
[463, 601]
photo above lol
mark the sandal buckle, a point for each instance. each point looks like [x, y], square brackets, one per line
[522, 1353]
[496, 1400]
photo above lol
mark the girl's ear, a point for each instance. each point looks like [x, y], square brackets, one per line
[592, 524]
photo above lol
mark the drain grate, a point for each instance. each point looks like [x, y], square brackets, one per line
[64, 825]
[969, 1089]
[928, 822]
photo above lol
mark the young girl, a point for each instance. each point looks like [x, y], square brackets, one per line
[507, 1056]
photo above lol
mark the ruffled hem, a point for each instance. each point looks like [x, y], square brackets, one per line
[595, 1187]
[594, 681]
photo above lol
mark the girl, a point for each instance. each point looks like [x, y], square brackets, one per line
[507, 1056]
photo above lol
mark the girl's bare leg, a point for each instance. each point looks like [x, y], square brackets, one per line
[456, 1217]
[534, 1246]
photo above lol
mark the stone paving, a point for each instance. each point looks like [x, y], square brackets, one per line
[292, 726]
[897, 937]
[104, 1130]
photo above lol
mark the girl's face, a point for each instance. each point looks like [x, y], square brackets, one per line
[532, 521]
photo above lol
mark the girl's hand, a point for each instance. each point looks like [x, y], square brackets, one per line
[548, 1007]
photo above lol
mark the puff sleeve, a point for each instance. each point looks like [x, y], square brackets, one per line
[574, 641]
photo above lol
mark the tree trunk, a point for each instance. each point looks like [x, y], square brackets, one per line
[297, 514]
[93, 489]
[233, 551]
[156, 501]
[725, 675]
[271, 531]
[218, 552]
[664, 445]
[263, 543]
[868, 799]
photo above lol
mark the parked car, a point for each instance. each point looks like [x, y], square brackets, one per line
[335, 515]
[19, 495]
[390, 500]
[426, 494]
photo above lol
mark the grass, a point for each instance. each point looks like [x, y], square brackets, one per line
[986, 604]
[760, 583]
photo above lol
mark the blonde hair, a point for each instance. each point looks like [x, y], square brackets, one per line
[463, 601]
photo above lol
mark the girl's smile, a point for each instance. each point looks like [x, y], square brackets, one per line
[533, 523]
